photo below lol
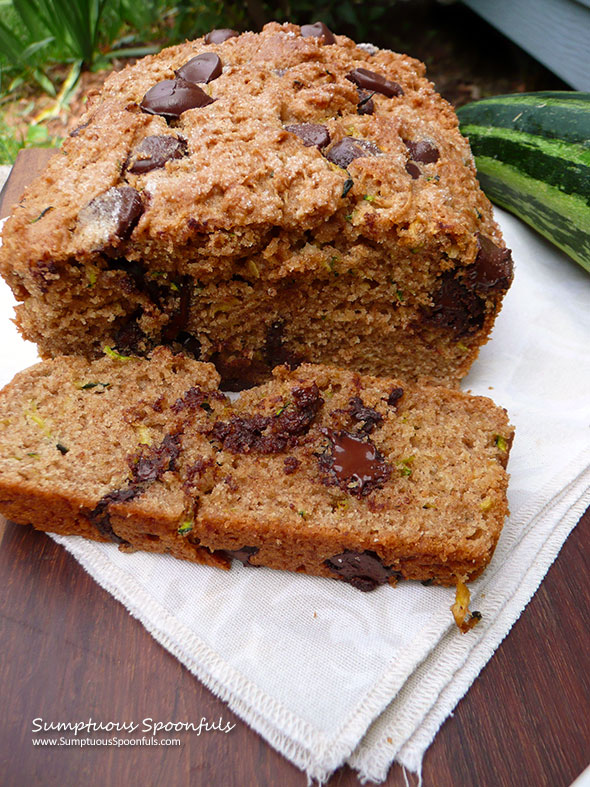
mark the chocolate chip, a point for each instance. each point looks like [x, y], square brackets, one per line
[265, 434]
[243, 555]
[366, 416]
[290, 464]
[201, 69]
[413, 170]
[220, 35]
[171, 97]
[377, 83]
[100, 516]
[353, 464]
[366, 105]
[423, 151]
[456, 306]
[154, 152]
[318, 30]
[395, 396]
[492, 269]
[196, 398]
[151, 465]
[146, 468]
[311, 134]
[363, 570]
[349, 148]
[195, 472]
[115, 212]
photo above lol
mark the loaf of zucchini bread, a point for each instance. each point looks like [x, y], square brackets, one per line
[320, 471]
[263, 199]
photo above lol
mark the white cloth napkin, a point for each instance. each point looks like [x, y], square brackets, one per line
[327, 674]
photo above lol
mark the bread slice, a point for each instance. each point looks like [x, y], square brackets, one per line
[319, 471]
[301, 199]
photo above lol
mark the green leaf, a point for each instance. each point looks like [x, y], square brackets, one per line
[37, 46]
[16, 82]
[31, 17]
[11, 46]
[43, 80]
[138, 51]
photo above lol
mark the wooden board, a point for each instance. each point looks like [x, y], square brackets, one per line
[69, 651]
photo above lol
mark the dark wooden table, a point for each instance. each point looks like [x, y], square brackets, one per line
[69, 651]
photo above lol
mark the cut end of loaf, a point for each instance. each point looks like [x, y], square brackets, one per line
[320, 471]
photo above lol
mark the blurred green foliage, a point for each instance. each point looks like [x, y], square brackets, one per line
[11, 142]
[35, 34]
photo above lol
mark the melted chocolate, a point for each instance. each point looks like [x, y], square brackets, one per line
[366, 416]
[265, 434]
[363, 570]
[353, 463]
[413, 170]
[195, 471]
[145, 468]
[377, 83]
[171, 97]
[456, 307]
[318, 30]
[136, 280]
[154, 461]
[201, 69]
[100, 517]
[44, 272]
[194, 398]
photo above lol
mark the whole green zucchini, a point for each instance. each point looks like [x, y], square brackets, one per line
[532, 152]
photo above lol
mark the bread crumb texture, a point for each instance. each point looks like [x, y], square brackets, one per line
[320, 470]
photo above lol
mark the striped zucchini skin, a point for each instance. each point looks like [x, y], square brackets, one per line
[532, 152]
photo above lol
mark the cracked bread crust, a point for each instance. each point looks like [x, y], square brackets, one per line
[320, 471]
[245, 231]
